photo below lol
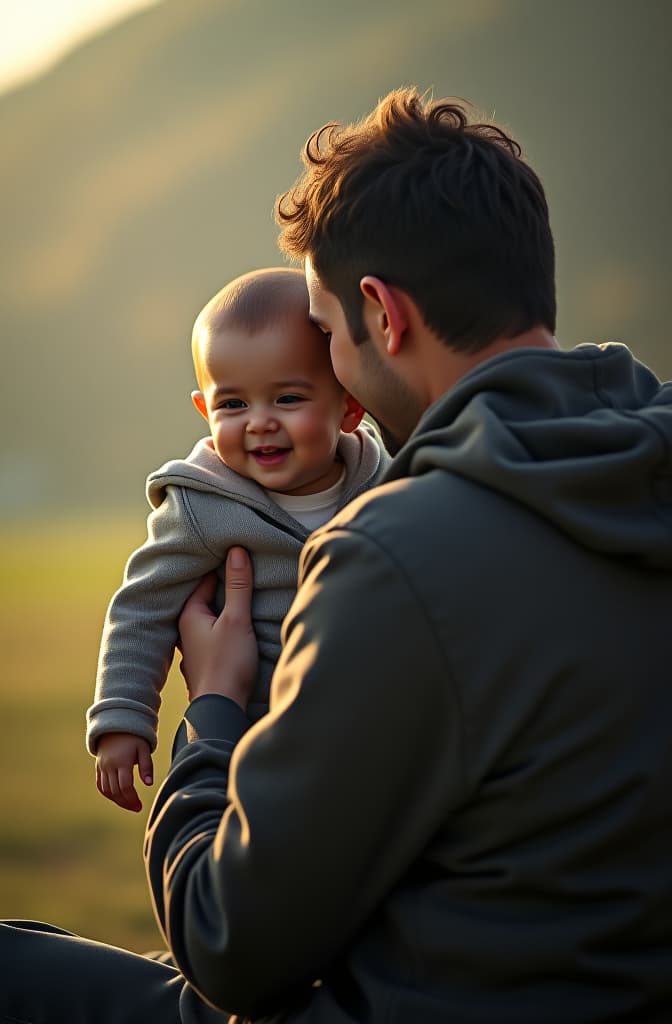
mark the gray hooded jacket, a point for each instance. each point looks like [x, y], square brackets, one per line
[201, 508]
[460, 805]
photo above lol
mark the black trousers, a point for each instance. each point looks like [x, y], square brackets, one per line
[50, 976]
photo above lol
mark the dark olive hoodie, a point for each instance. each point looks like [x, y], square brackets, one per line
[459, 808]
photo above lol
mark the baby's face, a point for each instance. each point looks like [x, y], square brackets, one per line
[274, 407]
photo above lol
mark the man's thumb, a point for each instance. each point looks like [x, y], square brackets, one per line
[238, 570]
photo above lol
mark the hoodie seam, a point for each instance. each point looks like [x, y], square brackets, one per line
[184, 497]
[599, 393]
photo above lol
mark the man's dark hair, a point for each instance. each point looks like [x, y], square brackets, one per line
[440, 206]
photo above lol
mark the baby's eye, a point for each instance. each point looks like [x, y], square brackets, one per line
[231, 403]
[289, 399]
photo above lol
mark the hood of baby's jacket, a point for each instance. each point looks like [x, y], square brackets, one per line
[584, 438]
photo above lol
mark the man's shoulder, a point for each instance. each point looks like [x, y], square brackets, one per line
[405, 508]
[410, 497]
[422, 521]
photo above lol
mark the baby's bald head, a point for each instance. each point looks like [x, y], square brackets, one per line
[249, 303]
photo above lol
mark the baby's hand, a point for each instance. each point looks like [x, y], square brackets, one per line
[117, 753]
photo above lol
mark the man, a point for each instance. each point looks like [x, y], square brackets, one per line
[459, 806]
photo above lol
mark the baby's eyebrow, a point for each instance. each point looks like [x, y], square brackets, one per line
[296, 382]
[227, 389]
[293, 382]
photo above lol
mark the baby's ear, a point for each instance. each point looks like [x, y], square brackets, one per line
[353, 414]
[198, 399]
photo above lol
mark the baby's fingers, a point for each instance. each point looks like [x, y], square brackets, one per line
[106, 782]
[125, 794]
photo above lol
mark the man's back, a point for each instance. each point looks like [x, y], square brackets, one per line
[545, 893]
[541, 888]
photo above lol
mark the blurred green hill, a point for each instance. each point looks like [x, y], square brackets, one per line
[139, 174]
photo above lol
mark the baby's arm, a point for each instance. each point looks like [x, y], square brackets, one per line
[139, 639]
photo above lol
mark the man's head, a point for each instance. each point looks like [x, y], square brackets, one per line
[266, 384]
[433, 203]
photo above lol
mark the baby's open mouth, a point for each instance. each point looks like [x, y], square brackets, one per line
[269, 455]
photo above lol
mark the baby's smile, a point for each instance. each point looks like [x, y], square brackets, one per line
[270, 456]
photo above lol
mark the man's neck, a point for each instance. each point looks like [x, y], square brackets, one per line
[450, 366]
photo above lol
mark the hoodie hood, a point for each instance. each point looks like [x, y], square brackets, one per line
[583, 438]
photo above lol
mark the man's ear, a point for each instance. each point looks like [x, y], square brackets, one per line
[198, 399]
[353, 414]
[389, 314]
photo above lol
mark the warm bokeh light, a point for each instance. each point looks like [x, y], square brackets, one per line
[36, 33]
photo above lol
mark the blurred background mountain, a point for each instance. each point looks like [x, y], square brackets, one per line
[139, 174]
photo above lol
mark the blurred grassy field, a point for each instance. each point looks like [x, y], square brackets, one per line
[67, 855]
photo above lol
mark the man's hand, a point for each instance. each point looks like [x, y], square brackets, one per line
[117, 754]
[219, 655]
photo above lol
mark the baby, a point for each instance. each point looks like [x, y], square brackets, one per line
[287, 449]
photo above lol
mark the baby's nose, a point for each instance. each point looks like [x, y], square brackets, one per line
[261, 421]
